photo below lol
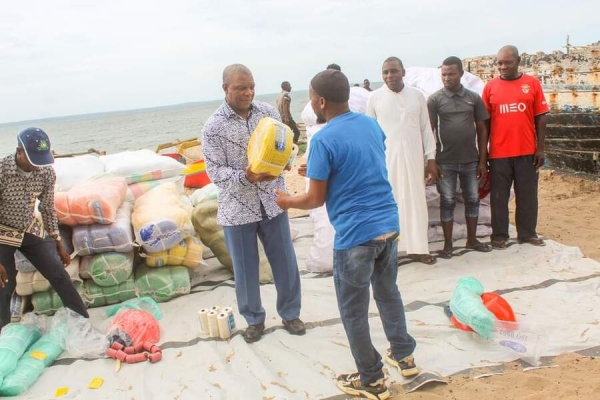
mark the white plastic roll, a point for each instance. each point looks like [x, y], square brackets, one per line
[231, 319]
[293, 155]
[203, 320]
[223, 322]
[215, 308]
[213, 326]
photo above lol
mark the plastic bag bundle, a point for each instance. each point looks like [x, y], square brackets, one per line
[102, 238]
[139, 303]
[204, 219]
[94, 295]
[208, 192]
[130, 327]
[71, 171]
[141, 165]
[270, 147]
[160, 219]
[23, 264]
[48, 302]
[107, 269]
[83, 341]
[40, 355]
[14, 341]
[91, 202]
[162, 284]
[468, 308]
[187, 253]
[135, 190]
[34, 282]
[135, 321]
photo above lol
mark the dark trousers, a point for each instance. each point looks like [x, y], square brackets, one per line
[43, 256]
[294, 128]
[503, 173]
[275, 235]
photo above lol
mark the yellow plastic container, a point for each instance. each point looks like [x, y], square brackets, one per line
[270, 147]
[187, 253]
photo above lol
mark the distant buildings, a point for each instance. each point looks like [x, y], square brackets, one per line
[570, 80]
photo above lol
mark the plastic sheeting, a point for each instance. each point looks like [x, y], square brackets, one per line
[553, 289]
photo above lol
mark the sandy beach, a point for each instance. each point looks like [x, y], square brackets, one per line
[568, 213]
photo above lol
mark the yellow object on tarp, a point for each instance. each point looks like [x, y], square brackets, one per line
[187, 253]
[270, 147]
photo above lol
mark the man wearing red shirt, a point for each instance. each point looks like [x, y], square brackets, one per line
[517, 108]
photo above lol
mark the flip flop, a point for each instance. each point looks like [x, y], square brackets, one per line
[499, 245]
[426, 259]
[480, 247]
[446, 254]
[533, 241]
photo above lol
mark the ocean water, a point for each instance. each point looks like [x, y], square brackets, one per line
[128, 130]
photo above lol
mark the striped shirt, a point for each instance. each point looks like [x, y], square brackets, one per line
[18, 194]
[224, 143]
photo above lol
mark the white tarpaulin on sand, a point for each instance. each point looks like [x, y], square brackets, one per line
[553, 289]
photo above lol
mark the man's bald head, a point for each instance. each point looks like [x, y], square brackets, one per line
[234, 69]
[332, 85]
[238, 85]
[512, 50]
[508, 61]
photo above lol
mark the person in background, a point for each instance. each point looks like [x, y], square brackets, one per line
[247, 209]
[346, 153]
[26, 177]
[367, 85]
[283, 106]
[458, 118]
[402, 113]
[517, 108]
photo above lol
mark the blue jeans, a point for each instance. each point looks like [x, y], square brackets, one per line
[374, 263]
[469, 184]
[276, 238]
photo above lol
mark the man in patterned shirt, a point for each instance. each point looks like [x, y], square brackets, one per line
[247, 207]
[26, 177]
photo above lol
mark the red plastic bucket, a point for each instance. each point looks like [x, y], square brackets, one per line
[195, 175]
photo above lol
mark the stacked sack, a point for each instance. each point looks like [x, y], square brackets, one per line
[143, 170]
[96, 199]
[162, 226]
[204, 219]
[102, 242]
[30, 281]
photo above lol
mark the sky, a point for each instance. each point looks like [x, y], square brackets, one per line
[62, 57]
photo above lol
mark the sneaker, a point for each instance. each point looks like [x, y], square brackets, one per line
[351, 384]
[254, 332]
[294, 326]
[406, 365]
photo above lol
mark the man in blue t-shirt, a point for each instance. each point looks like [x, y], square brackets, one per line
[347, 170]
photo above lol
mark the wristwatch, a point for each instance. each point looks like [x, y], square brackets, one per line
[56, 237]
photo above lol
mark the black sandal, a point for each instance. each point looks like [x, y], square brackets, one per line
[446, 254]
[480, 247]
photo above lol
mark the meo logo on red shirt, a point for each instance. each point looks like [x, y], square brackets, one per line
[512, 108]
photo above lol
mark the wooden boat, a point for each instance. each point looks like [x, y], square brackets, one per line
[573, 142]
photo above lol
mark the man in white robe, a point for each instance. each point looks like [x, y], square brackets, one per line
[402, 114]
